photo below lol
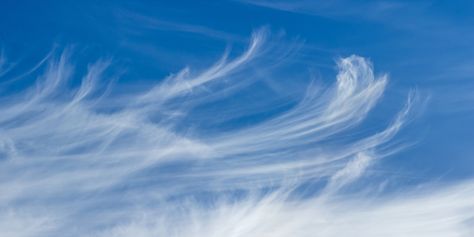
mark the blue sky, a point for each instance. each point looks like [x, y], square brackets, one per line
[236, 118]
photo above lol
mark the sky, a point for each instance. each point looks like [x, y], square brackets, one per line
[236, 118]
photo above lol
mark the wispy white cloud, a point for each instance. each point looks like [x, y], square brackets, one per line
[72, 164]
[443, 212]
[5, 66]
[333, 9]
[151, 23]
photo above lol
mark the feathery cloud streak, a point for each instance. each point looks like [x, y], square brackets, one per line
[85, 162]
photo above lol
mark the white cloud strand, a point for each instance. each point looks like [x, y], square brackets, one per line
[69, 167]
[430, 213]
